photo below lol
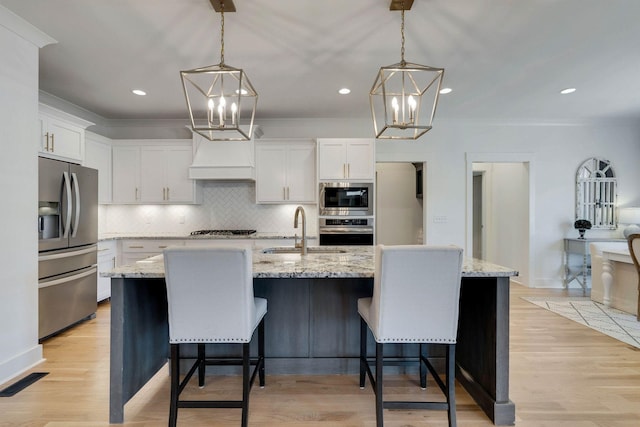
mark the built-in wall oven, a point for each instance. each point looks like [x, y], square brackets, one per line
[345, 231]
[346, 213]
[346, 199]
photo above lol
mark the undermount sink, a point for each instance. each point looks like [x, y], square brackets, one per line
[311, 250]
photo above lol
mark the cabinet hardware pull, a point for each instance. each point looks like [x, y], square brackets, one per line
[167, 193]
[136, 247]
[162, 246]
[284, 193]
[136, 196]
[348, 170]
[46, 144]
[53, 143]
[288, 195]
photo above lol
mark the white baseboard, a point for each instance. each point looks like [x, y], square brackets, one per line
[20, 363]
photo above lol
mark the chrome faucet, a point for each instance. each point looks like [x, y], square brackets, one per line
[303, 243]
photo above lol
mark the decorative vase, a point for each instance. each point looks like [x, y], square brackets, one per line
[581, 231]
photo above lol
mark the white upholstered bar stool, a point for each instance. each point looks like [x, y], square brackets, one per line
[210, 300]
[416, 295]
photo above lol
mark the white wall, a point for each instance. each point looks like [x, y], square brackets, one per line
[398, 211]
[19, 171]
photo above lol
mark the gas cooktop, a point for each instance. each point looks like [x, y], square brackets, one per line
[222, 232]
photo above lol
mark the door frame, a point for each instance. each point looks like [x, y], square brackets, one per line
[529, 159]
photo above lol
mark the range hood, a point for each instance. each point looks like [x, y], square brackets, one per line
[222, 160]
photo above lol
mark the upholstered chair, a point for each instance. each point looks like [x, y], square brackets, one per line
[210, 300]
[415, 299]
[634, 249]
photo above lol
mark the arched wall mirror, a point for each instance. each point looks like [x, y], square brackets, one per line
[596, 193]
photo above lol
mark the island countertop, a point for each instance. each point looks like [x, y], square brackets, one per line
[351, 262]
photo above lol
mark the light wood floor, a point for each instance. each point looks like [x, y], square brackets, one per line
[562, 374]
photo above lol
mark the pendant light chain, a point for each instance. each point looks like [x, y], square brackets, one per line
[402, 61]
[222, 32]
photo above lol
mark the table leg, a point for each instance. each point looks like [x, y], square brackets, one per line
[607, 280]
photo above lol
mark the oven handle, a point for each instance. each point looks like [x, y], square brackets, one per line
[346, 230]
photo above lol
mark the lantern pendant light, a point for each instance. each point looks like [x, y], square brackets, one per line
[220, 97]
[404, 97]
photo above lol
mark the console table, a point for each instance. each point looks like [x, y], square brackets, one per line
[580, 247]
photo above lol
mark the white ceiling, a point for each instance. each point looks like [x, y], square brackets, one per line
[504, 59]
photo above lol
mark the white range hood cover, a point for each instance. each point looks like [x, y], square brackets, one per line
[222, 160]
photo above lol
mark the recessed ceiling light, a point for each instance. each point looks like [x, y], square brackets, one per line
[445, 90]
[344, 91]
[568, 90]
[139, 92]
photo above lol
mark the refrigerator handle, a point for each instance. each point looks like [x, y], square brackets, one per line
[67, 220]
[76, 190]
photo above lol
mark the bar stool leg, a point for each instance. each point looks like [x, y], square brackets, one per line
[378, 385]
[423, 367]
[451, 386]
[363, 351]
[174, 367]
[245, 383]
[201, 365]
[261, 352]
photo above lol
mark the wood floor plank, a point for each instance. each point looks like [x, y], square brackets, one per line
[562, 375]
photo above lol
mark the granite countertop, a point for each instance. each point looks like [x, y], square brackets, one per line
[354, 262]
[160, 236]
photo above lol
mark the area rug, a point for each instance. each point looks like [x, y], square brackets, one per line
[615, 323]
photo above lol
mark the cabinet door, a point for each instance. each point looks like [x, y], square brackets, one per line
[179, 187]
[301, 173]
[126, 173]
[152, 175]
[331, 160]
[66, 140]
[271, 179]
[61, 140]
[98, 156]
[360, 160]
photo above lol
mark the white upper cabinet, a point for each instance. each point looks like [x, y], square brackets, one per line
[61, 135]
[126, 174]
[97, 155]
[153, 174]
[346, 159]
[165, 175]
[285, 171]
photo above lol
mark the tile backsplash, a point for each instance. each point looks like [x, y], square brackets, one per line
[225, 205]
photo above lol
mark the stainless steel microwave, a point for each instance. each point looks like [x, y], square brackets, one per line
[346, 198]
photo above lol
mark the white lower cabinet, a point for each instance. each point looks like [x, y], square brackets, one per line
[139, 249]
[107, 255]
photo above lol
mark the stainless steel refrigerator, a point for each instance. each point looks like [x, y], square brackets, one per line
[67, 244]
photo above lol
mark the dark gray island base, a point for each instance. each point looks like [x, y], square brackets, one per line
[312, 326]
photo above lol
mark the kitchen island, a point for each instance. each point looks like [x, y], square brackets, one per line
[312, 326]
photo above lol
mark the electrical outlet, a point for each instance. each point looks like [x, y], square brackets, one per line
[181, 219]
